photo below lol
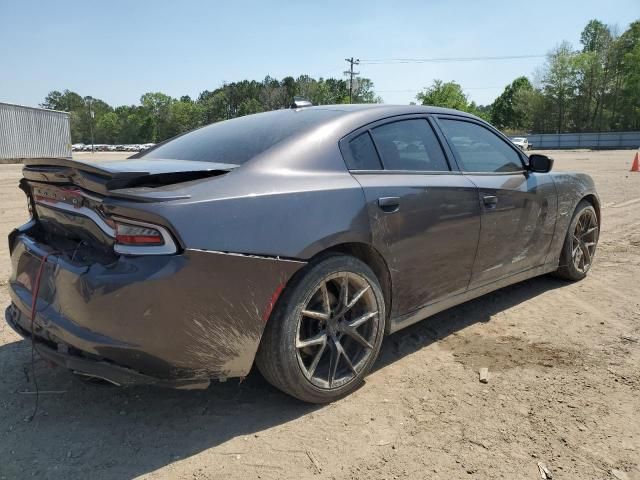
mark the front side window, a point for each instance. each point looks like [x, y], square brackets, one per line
[478, 149]
[409, 145]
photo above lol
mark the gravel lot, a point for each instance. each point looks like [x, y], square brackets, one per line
[564, 387]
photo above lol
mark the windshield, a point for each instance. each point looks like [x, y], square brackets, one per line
[238, 140]
[518, 139]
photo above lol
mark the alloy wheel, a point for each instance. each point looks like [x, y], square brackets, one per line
[584, 240]
[337, 330]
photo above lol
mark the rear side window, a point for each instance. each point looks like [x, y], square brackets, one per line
[409, 145]
[363, 154]
[478, 149]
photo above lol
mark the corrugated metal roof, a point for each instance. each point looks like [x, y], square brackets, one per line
[28, 132]
[34, 108]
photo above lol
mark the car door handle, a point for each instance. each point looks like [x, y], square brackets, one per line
[389, 204]
[490, 201]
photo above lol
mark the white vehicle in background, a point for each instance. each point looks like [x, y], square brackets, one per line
[77, 147]
[521, 142]
[146, 146]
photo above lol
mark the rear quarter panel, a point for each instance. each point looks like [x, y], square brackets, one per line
[274, 207]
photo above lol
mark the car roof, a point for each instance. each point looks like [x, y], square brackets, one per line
[390, 109]
[354, 116]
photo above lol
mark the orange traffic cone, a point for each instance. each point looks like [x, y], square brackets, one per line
[635, 167]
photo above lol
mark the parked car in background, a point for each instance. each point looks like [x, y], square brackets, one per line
[296, 239]
[521, 142]
[77, 147]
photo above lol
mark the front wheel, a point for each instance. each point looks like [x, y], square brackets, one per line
[326, 331]
[580, 243]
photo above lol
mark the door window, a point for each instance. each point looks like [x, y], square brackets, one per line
[478, 149]
[409, 145]
[363, 154]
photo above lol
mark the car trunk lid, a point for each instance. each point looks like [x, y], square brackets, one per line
[69, 197]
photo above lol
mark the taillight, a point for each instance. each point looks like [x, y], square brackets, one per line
[136, 235]
[140, 238]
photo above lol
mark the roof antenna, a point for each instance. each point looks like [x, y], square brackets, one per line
[300, 102]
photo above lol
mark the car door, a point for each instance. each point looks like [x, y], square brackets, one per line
[425, 217]
[518, 206]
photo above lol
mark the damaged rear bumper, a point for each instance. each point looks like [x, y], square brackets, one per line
[171, 320]
[81, 363]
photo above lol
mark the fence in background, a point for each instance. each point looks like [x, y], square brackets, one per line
[607, 140]
[27, 132]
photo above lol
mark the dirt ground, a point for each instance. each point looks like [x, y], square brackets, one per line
[564, 388]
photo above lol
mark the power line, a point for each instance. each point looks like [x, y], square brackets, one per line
[391, 61]
[351, 73]
[422, 88]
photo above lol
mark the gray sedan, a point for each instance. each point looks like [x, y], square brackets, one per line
[294, 240]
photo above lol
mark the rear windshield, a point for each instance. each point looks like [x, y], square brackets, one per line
[238, 140]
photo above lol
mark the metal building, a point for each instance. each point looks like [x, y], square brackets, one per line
[27, 132]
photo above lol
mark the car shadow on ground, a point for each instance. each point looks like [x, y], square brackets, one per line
[455, 319]
[123, 433]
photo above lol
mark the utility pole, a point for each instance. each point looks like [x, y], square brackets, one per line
[89, 100]
[351, 73]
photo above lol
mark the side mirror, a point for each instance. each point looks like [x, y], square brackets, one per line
[540, 163]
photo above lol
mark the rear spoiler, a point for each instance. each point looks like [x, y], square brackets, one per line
[108, 177]
[43, 166]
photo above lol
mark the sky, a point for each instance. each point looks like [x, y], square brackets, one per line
[116, 50]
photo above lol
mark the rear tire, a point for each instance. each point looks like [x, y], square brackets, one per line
[580, 243]
[325, 332]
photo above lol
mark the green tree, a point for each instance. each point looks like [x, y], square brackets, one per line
[364, 92]
[77, 106]
[506, 113]
[159, 116]
[183, 117]
[444, 94]
[595, 36]
[560, 83]
[66, 101]
[597, 75]
[482, 111]
[331, 91]
[627, 110]
[128, 124]
[90, 114]
[288, 90]
[157, 106]
[451, 95]
[107, 128]
[215, 105]
[249, 106]
[592, 89]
